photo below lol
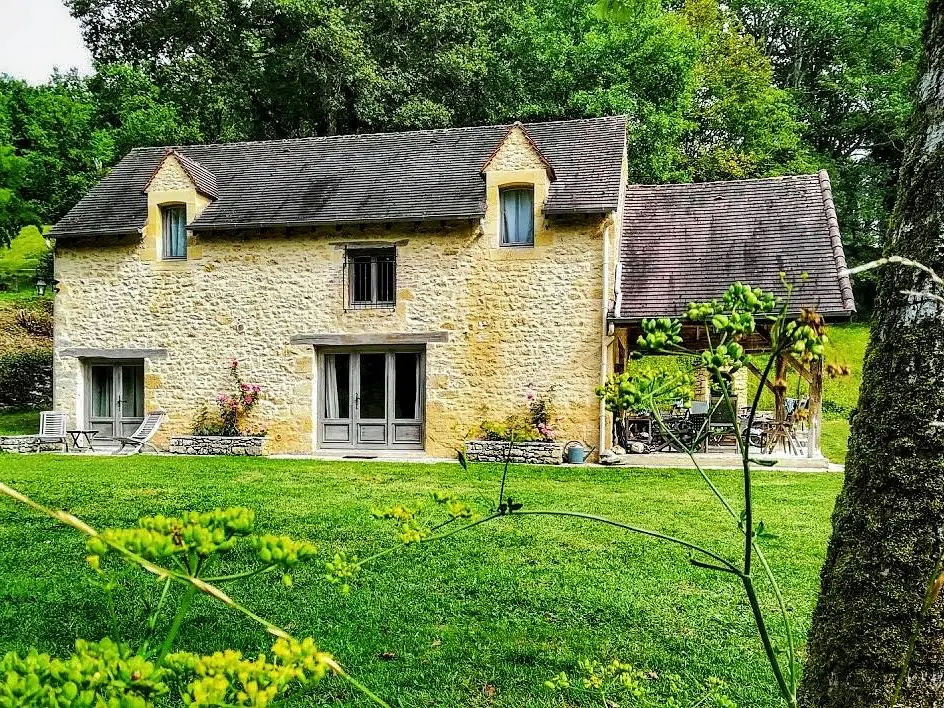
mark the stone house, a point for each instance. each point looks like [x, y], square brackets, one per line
[393, 291]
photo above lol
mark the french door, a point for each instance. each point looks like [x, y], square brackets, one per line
[371, 398]
[115, 397]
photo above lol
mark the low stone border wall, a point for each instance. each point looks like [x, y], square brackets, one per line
[28, 443]
[213, 445]
[530, 453]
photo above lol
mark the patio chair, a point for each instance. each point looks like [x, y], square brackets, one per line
[52, 427]
[141, 437]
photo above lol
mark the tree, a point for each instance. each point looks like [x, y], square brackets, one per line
[742, 124]
[849, 66]
[884, 557]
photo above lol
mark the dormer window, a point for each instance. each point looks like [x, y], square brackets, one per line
[174, 232]
[517, 216]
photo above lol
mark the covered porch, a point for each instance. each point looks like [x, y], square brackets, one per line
[786, 426]
[688, 243]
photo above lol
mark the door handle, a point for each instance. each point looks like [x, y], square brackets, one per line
[357, 401]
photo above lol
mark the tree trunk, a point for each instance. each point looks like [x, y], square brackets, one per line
[887, 524]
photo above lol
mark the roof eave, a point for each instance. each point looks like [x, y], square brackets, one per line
[832, 316]
[86, 233]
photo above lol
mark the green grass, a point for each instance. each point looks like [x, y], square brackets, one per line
[19, 422]
[23, 253]
[834, 439]
[505, 606]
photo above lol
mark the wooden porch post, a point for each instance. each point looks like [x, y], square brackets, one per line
[780, 374]
[816, 407]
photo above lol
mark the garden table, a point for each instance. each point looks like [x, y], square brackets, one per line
[76, 435]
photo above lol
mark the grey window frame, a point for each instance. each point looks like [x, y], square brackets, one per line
[502, 234]
[374, 254]
[165, 231]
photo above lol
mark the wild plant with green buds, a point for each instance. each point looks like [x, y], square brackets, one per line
[189, 551]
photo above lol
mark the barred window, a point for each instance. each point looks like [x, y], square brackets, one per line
[372, 277]
[174, 232]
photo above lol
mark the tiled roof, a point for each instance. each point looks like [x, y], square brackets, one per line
[413, 176]
[688, 242]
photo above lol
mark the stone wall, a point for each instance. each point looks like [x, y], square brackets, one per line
[28, 443]
[531, 453]
[515, 318]
[215, 445]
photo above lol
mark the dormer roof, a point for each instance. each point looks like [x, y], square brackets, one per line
[203, 180]
[518, 159]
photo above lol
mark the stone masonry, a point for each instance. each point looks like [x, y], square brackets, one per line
[28, 443]
[216, 445]
[531, 453]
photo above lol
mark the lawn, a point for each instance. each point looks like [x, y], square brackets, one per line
[481, 619]
[21, 257]
[19, 422]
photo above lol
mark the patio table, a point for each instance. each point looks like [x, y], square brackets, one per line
[89, 436]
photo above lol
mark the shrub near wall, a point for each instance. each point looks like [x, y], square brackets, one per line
[26, 379]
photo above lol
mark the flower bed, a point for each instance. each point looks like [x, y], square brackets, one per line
[531, 453]
[216, 445]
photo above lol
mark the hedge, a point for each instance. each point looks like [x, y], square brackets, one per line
[26, 379]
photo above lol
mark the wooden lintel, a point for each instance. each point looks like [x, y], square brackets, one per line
[380, 338]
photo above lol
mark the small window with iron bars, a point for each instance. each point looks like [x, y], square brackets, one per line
[370, 278]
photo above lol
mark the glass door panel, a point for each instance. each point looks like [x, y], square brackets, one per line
[370, 401]
[102, 400]
[336, 400]
[115, 398]
[406, 385]
[131, 402]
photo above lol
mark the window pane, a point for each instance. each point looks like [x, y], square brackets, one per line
[102, 383]
[337, 385]
[517, 217]
[373, 386]
[406, 385]
[174, 225]
[386, 278]
[132, 391]
[361, 279]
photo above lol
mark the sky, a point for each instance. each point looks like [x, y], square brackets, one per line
[38, 35]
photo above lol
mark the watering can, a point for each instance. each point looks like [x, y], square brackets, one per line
[576, 452]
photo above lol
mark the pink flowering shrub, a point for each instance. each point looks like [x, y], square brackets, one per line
[233, 408]
[532, 425]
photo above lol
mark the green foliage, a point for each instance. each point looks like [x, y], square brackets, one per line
[534, 424]
[638, 391]
[19, 422]
[108, 675]
[849, 68]
[233, 410]
[27, 251]
[111, 675]
[26, 378]
[229, 679]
